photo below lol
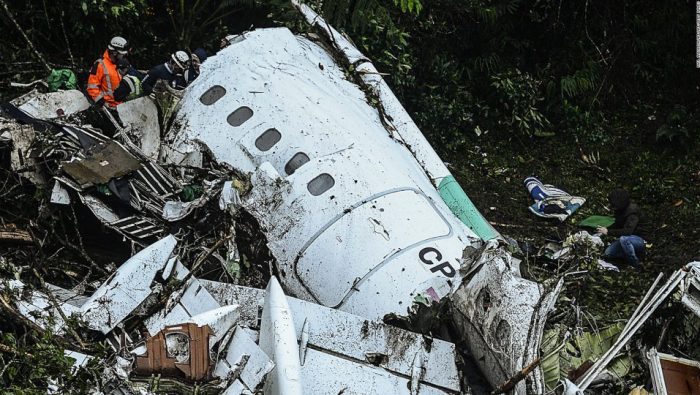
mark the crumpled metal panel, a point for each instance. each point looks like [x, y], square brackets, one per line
[130, 285]
[140, 117]
[351, 342]
[37, 308]
[497, 311]
[245, 359]
[102, 163]
[53, 105]
[691, 288]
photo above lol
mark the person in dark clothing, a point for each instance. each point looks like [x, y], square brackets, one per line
[170, 71]
[130, 86]
[198, 57]
[628, 227]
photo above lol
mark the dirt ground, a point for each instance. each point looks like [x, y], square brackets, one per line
[660, 178]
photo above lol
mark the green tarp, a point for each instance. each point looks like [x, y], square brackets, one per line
[61, 79]
[595, 221]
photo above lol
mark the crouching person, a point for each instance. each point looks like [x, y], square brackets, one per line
[130, 85]
[628, 227]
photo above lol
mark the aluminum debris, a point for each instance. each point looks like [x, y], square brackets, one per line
[103, 162]
[351, 214]
[671, 375]
[691, 288]
[53, 105]
[128, 287]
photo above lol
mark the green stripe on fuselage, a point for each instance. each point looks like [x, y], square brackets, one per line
[459, 203]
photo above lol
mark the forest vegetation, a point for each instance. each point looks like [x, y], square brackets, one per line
[586, 95]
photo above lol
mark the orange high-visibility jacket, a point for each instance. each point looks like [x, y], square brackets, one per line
[103, 80]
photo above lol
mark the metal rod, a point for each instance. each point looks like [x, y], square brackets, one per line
[631, 328]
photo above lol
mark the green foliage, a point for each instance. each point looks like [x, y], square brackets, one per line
[34, 362]
[587, 346]
[518, 94]
[414, 6]
[675, 127]
[195, 20]
[581, 82]
[587, 124]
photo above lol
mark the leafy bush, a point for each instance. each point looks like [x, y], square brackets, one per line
[518, 94]
[675, 127]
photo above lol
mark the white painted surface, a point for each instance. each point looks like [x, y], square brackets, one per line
[350, 339]
[243, 354]
[279, 341]
[59, 194]
[318, 112]
[55, 104]
[494, 311]
[183, 306]
[140, 117]
[130, 285]
[691, 288]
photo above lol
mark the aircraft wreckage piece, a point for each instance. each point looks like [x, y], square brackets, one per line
[691, 288]
[350, 215]
[140, 118]
[177, 351]
[400, 125]
[364, 356]
[128, 287]
[671, 375]
[52, 105]
[279, 341]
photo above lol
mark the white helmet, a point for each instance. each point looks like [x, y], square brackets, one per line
[181, 59]
[118, 44]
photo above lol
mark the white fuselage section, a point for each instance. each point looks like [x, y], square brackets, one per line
[349, 214]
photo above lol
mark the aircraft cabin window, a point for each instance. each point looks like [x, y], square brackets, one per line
[297, 161]
[212, 95]
[239, 116]
[268, 139]
[320, 184]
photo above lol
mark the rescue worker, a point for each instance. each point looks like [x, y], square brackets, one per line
[168, 71]
[130, 86]
[196, 58]
[226, 41]
[104, 77]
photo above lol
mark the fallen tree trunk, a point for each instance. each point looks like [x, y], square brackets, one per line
[15, 235]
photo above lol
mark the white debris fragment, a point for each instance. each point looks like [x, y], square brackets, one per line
[278, 340]
[55, 104]
[691, 288]
[375, 357]
[246, 359]
[496, 311]
[175, 210]
[37, 308]
[99, 209]
[229, 196]
[81, 360]
[140, 118]
[127, 287]
[59, 194]
[183, 306]
[607, 266]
